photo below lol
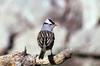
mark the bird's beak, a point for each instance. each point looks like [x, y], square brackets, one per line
[56, 25]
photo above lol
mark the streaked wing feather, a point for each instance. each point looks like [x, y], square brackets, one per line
[40, 39]
[45, 35]
[50, 38]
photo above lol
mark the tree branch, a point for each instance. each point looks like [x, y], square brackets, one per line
[24, 59]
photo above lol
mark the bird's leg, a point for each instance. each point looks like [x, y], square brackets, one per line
[51, 52]
[51, 55]
[51, 58]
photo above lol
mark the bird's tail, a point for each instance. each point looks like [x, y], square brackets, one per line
[41, 56]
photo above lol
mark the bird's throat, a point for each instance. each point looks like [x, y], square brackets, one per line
[47, 28]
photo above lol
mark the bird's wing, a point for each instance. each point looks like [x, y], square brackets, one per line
[45, 37]
[50, 38]
[40, 38]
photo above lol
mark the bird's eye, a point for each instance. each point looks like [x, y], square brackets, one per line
[45, 23]
[50, 24]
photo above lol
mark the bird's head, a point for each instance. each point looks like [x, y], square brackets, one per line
[48, 25]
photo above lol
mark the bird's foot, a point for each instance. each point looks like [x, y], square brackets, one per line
[51, 55]
[51, 59]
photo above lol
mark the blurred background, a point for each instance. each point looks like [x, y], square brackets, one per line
[78, 28]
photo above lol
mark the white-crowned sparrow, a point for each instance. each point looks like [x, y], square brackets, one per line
[46, 37]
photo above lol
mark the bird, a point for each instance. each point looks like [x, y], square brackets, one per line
[46, 37]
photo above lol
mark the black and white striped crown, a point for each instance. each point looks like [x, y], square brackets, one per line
[49, 21]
